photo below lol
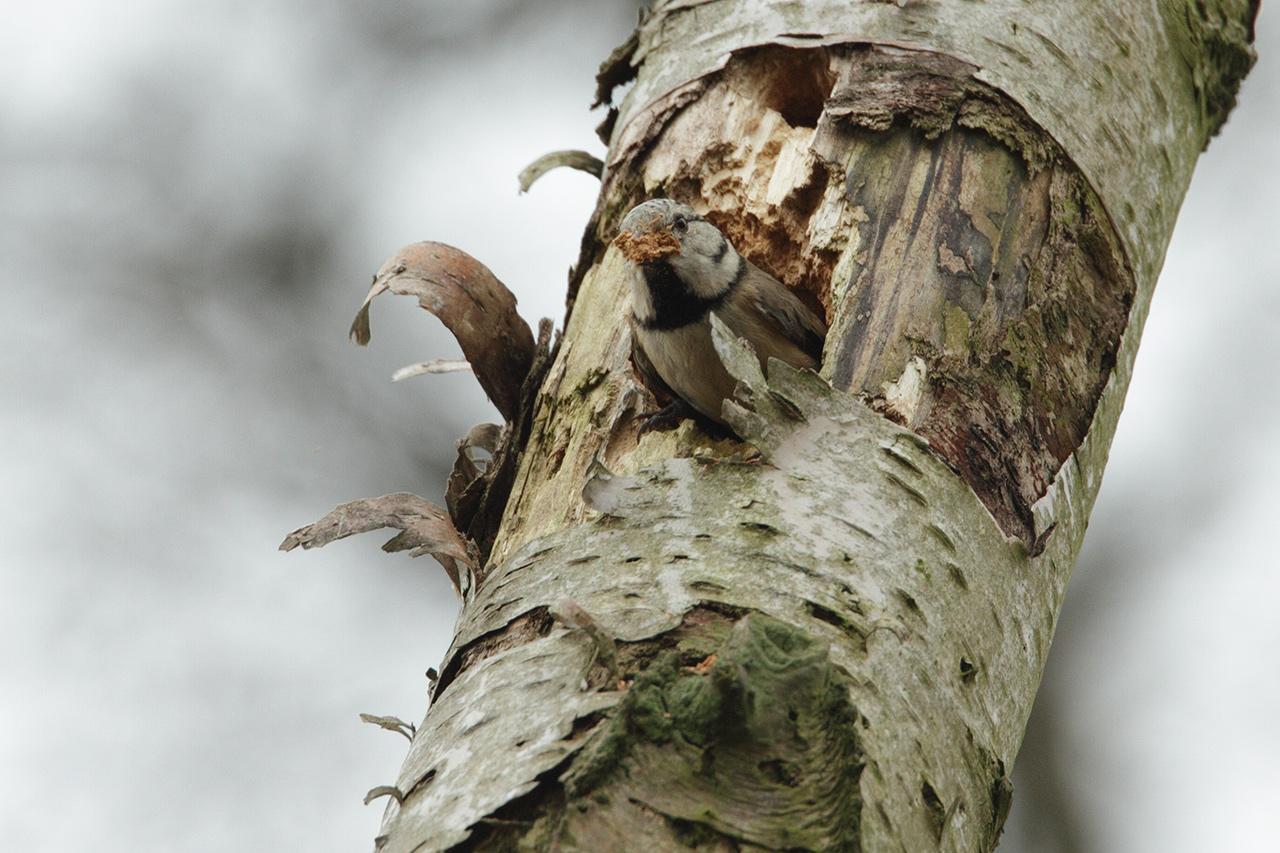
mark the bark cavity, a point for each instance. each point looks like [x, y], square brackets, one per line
[733, 155]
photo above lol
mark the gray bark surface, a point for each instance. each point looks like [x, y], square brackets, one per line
[830, 636]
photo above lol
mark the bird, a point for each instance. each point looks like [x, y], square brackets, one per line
[683, 269]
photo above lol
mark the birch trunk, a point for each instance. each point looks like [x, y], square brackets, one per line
[828, 637]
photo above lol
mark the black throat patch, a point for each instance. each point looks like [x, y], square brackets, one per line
[674, 305]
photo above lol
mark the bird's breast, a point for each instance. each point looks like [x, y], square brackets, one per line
[686, 359]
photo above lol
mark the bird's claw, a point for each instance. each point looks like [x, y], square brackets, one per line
[665, 419]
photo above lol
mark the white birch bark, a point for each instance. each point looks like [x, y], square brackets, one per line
[835, 645]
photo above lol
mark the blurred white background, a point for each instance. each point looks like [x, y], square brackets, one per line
[192, 198]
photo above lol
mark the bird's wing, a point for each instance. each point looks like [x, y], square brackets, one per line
[640, 359]
[783, 310]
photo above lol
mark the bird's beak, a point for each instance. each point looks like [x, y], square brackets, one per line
[647, 247]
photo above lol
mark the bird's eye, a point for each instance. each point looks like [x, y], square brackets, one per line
[681, 224]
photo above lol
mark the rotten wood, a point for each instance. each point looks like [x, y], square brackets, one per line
[988, 298]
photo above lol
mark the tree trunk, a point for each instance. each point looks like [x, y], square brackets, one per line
[834, 642]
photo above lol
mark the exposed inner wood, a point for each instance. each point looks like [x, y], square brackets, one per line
[988, 281]
[975, 288]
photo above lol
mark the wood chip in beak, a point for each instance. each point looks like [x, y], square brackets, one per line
[648, 247]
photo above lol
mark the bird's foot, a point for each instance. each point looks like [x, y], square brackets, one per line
[667, 418]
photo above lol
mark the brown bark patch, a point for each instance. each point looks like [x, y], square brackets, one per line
[989, 294]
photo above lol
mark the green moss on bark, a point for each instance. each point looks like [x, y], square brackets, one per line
[758, 744]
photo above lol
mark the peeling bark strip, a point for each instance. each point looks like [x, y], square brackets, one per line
[832, 642]
[481, 313]
[477, 308]
[424, 529]
[580, 160]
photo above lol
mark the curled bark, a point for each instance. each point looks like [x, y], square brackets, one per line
[580, 160]
[430, 368]
[424, 529]
[466, 473]
[391, 724]
[472, 303]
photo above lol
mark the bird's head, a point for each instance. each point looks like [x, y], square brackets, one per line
[661, 233]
